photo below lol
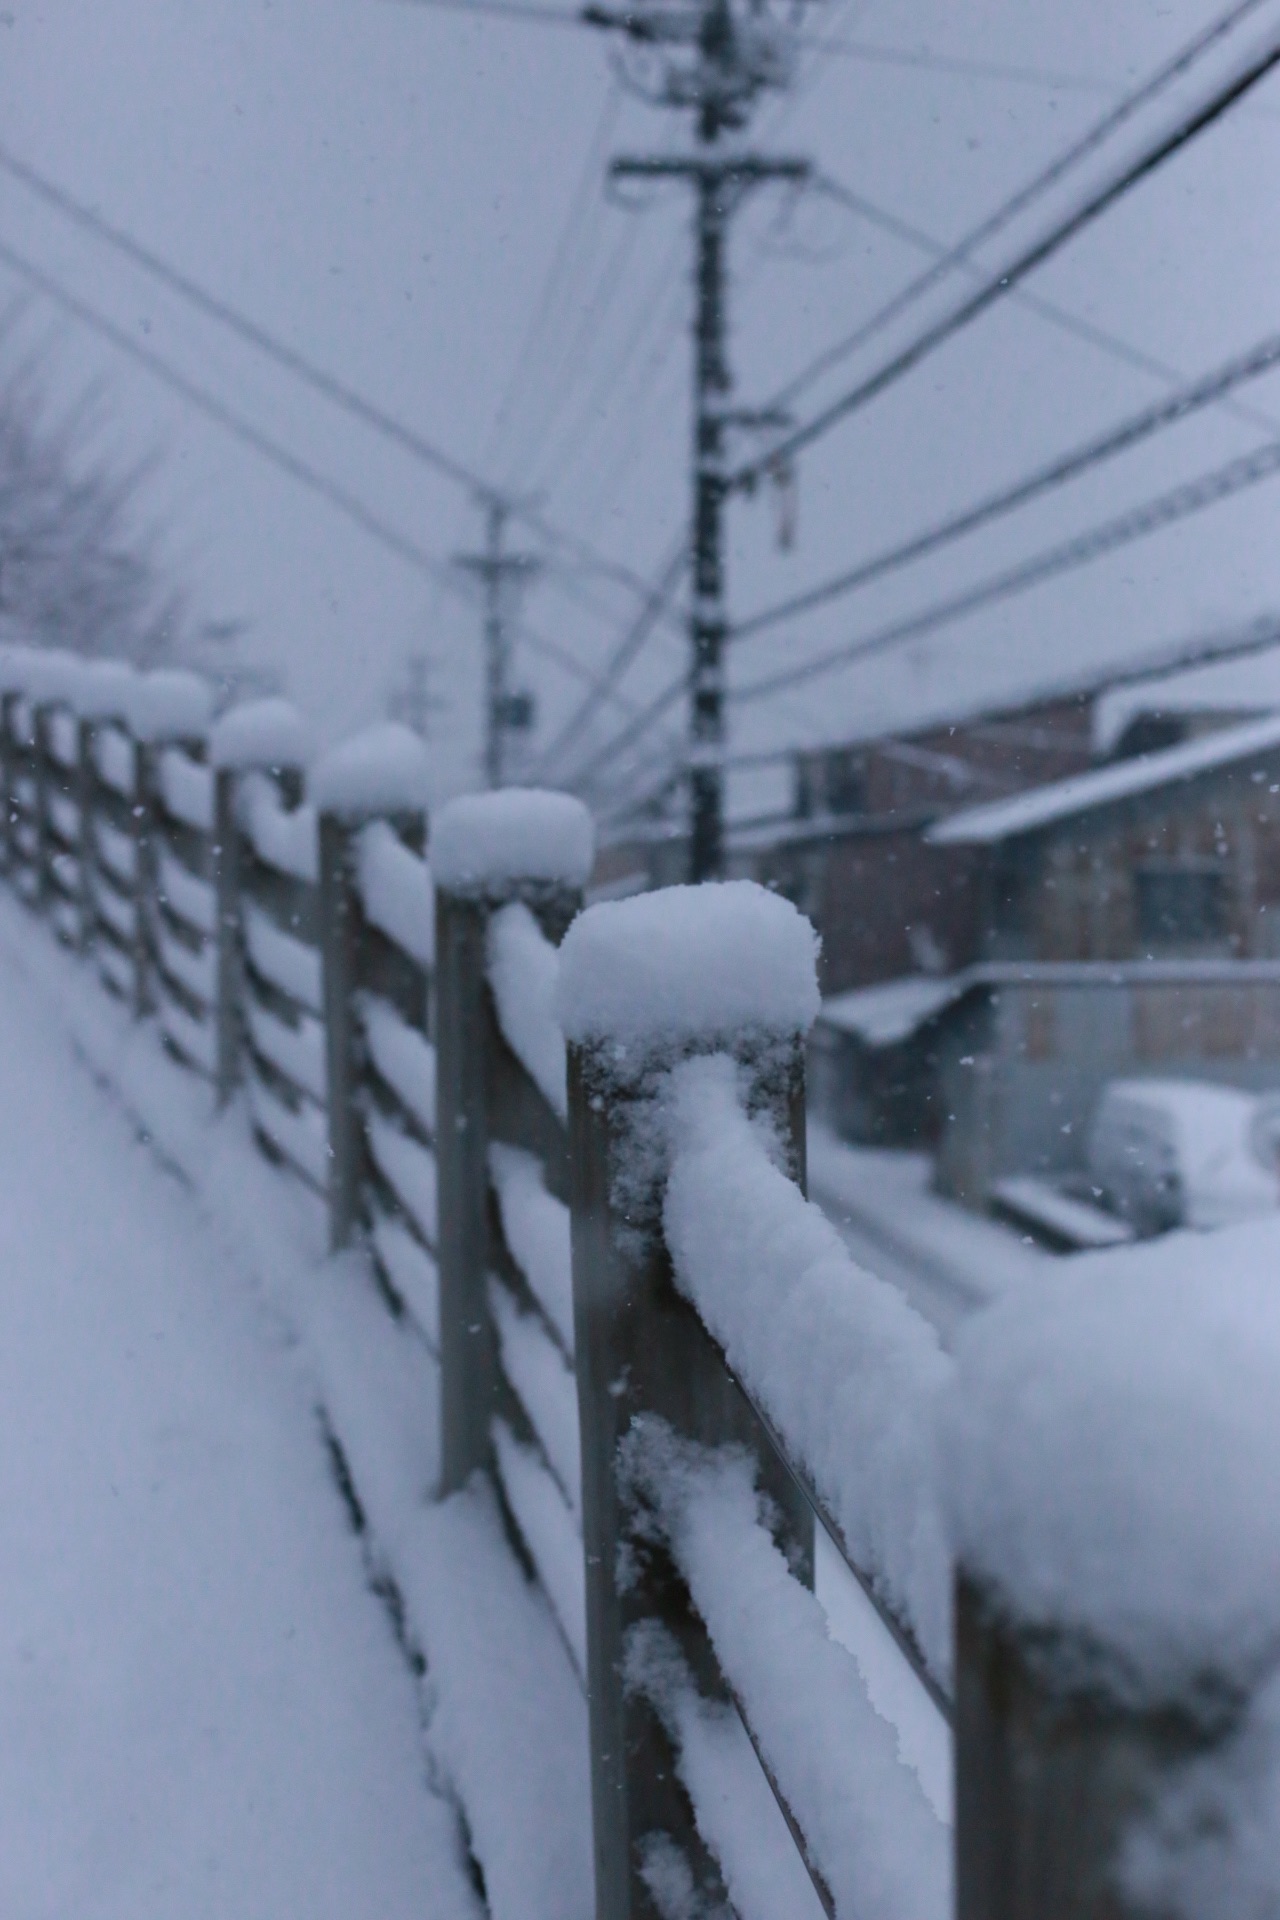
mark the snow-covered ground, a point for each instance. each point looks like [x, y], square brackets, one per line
[203, 1708]
[947, 1260]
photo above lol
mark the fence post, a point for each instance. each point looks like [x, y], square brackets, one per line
[487, 851]
[167, 708]
[265, 736]
[379, 774]
[646, 984]
[103, 695]
[1102, 1456]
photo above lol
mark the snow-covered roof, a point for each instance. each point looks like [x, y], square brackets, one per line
[892, 1010]
[1042, 806]
[1247, 685]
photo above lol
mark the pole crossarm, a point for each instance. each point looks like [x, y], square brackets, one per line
[748, 169]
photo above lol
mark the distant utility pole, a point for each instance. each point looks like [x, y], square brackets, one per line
[502, 574]
[716, 61]
[413, 702]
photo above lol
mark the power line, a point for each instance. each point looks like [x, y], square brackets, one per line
[1165, 510]
[1168, 412]
[336, 391]
[232, 422]
[995, 222]
[630, 645]
[1088, 331]
[583, 199]
[337, 496]
[875, 53]
[1152, 517]
[995, 289]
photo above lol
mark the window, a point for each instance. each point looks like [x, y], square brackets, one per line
[842, 779]
[1181, 905]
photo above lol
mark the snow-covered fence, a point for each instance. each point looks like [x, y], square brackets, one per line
[370, 796]
[509, 869]
[21, 819]
[737, 1377]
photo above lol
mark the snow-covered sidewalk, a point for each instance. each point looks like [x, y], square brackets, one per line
[203, 1709]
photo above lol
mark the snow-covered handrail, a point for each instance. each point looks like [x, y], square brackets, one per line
[686, 1012]
[846, 1372]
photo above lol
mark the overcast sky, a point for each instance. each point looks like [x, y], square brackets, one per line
[389, 187]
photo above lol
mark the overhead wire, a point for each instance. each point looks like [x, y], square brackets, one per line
[1170, 411]
[239, 428]
[1088, 331]
[584, 198]
[1098, 202]
[1095, 136]
[1095, 543]
[1152, 516]
[338, 392]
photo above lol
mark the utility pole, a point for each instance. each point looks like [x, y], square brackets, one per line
[413, 702]
[506, 711]
[733, 60]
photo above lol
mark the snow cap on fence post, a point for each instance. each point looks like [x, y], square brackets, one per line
[15, 665]
[689, 965]
[105, 690]
[494, 845]
[268, 735]
[1110, 1453]
[169, 704]
[52, 676]
[383, 770]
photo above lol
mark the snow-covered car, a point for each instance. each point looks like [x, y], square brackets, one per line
[1183, 1153]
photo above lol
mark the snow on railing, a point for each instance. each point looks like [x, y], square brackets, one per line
[799, 1386]
[843, 1368]
[873, 1842]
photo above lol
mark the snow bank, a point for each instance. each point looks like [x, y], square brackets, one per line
[483, 842]
[523, 971]
[382, 770]
[412, 1273]
[536, 1228]
[395, 887]
[1136, 1509]
[845, 1369]
[511, 1721]
[867, 1824]
[170, 704]
[269, 734]
[689, 963]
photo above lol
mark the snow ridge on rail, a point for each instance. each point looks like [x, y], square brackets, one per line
[870, 1831]
[846, 1371]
